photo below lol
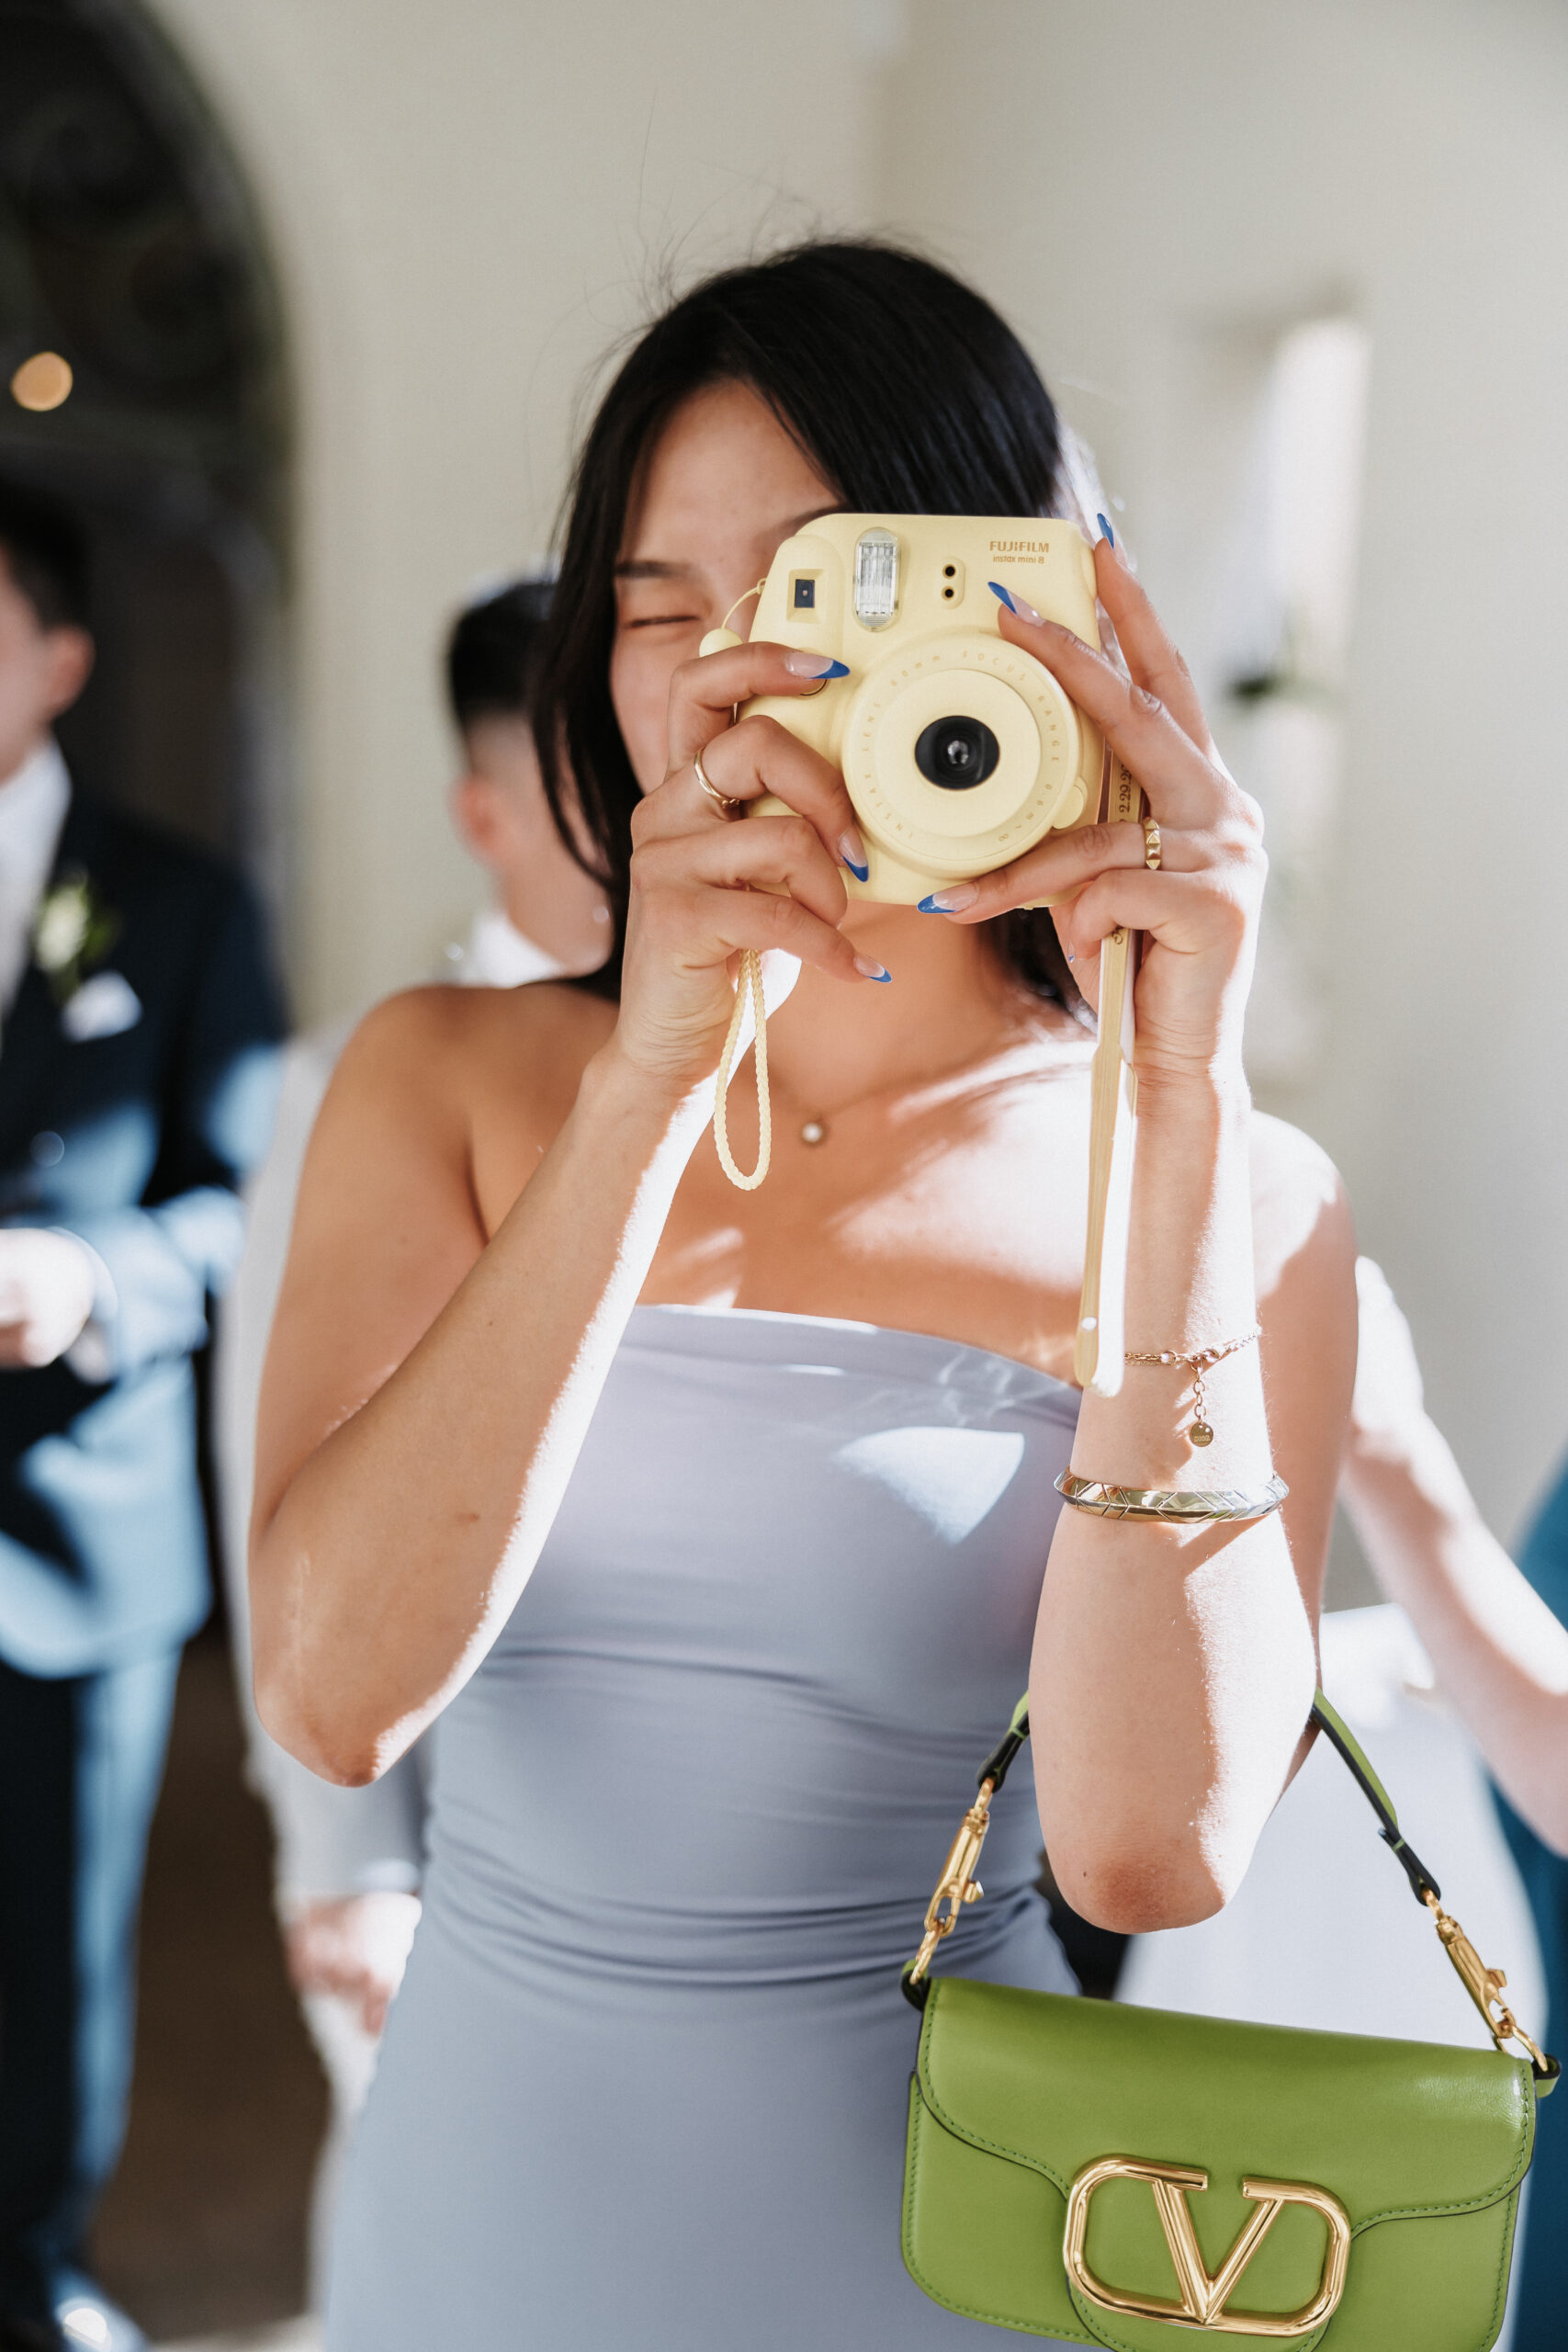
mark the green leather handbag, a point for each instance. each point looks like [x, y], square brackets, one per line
[1116, 2176]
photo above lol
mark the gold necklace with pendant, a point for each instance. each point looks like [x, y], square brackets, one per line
[816, 1127]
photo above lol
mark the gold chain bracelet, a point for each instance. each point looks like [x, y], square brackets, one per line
[1200, 1361]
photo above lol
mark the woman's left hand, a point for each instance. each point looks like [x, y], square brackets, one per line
[1199, 912]
[1389, 1422]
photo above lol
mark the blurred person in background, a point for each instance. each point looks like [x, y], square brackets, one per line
[137, 1077]
[550, 918]
[349, 1859]
[1497, 1638]
[1494, 1631]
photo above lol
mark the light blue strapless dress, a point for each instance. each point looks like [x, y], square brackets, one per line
[644, 2088]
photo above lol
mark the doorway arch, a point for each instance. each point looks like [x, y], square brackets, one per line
[128, 245]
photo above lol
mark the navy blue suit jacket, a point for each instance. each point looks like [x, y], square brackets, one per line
[137, 1143]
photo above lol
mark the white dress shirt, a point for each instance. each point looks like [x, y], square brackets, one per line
[33, 801]
[496, 955]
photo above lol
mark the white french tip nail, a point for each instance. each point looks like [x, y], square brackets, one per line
[851, 849]
[815, 665]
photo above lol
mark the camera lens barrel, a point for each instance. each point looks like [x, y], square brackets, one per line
[957, 752]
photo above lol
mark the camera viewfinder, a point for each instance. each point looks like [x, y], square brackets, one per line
[803, 592]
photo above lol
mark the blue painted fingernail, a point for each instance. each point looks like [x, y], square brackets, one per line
[1105, 530]
[1014, 603]
[872, 971]
[816, 665]
[851, 849]
[951, 901]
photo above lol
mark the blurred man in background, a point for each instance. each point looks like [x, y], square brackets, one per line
[550, 918]
[137, 1071]
[349, 1860]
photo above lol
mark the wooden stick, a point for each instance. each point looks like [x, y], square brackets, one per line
[1099, 1344]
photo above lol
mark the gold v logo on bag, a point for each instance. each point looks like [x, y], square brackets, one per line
[1204, 2299]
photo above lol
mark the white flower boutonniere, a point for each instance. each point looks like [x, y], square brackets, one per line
[72, 931]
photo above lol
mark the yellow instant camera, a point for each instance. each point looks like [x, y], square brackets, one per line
[959, 750]
[960, 753]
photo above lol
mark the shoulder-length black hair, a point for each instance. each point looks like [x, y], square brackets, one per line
[907, 393]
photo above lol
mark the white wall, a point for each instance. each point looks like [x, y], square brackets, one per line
[465, 198]
[468, 201]
[1143, 188]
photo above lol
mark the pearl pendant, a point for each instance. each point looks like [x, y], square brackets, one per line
[814, 1131]
[1201, 1433]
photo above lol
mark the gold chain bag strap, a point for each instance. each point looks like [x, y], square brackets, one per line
[1127, 2177]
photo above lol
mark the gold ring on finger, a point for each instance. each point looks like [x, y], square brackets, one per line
[1151, 844]
[720, 799]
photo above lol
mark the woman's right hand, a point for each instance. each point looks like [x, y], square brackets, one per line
[705, 886]
[354, 1946]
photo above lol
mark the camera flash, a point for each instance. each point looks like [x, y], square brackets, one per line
[876, 579]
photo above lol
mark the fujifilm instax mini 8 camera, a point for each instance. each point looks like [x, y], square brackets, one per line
[959, 750]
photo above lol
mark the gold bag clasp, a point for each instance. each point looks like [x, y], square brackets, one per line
[1203, 2299]
[1484, 1986]
[958, 1884]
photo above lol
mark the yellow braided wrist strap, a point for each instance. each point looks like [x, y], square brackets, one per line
[749, 986]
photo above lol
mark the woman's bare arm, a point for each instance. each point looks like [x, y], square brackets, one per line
[1174, 1668]
[427, 1392]
[1500, 1655]
[425, 1395]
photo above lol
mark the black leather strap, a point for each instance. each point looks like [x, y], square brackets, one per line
[995, 1768]
[1346, 1748]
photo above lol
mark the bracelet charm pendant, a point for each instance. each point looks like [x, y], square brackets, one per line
[1199, 1361]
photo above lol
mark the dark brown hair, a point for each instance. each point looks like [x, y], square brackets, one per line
[46, 551]
[908, 393]
[492, 654]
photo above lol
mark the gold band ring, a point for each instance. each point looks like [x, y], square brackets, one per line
[721, 801]
[1151, 844]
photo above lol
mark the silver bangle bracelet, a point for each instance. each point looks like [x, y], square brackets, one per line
[1189, 1510]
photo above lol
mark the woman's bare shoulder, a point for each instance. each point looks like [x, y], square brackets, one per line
[454, 1048]
[1301, 1215]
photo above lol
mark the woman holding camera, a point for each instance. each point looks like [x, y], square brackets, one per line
[720, 1529]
